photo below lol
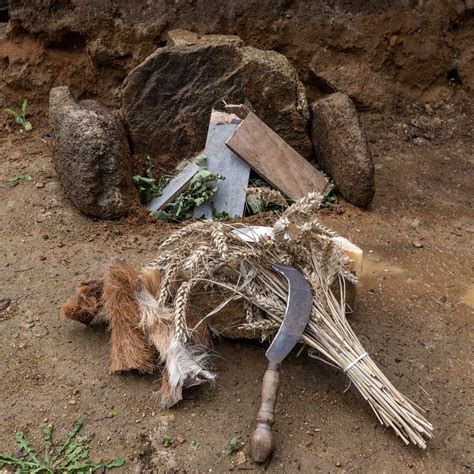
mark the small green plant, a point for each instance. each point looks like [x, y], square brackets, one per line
[71, 455]
[219, 216]
[330, 197]
[167, 441]
[201, 188]
[15, 179]
[147, 186]
[20, 118]
[233, 447]
[194, 444]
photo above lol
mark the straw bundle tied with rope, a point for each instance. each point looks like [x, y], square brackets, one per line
[210, 260]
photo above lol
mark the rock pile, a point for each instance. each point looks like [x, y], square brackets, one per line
[166, 103]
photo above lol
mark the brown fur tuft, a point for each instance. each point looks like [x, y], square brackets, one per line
[129, 346]
[86, 305]
[151, 279]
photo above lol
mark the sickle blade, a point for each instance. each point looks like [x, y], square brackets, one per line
[297, 314]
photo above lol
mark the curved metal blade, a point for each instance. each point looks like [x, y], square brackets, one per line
[297, 314]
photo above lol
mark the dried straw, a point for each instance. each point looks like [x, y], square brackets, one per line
[215, 259]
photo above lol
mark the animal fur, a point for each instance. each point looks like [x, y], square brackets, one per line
[86, 306]
[185, 364]
[129, 348]
[142, 331]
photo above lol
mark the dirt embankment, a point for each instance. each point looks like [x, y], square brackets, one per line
[381, 53]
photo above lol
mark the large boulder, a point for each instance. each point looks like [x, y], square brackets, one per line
[341, 148]
[167, 99]
[91, 155]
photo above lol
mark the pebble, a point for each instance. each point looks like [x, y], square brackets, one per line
[40, 185]
[42, 258]
[4, 303]
[240, 458]
[417, 244]
[338, 464]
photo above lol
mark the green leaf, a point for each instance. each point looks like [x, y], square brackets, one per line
[11, 112]
[232, 445]
[28, 126]
[64, 444]
[167, 441]
[47, 432]
[114, 463]
[201, 160]
[24, 104]
[14, 179]
[182, 165]
[28, 452]
[19, 120]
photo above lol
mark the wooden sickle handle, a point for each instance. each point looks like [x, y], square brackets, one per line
[261, 443]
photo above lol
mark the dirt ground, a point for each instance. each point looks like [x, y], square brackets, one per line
[414, 316]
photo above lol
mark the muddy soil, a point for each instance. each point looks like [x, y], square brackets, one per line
[414, 316]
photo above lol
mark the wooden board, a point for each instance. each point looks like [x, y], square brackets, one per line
[174, 187]
[221, 160]
[274, 160]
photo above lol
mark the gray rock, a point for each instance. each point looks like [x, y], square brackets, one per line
[341, 149]
[167, 99]
[180, 37]
[91, 155]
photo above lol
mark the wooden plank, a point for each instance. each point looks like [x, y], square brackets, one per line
[174, 187]
[221, 160]
[274, 160]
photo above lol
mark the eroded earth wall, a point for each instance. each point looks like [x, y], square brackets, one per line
[383, 53]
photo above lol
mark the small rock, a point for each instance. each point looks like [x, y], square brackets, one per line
[419, 141]
[338, 464]
[40, 185]
[4, 303]
[72, 402]
[42, 258]
[40, 332]
[417, 244]
[340, 146]
[180, 439]
[240, 458]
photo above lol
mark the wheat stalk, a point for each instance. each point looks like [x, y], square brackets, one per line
[236, 269]
[180, 306]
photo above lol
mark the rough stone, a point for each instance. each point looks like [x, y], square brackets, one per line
[341, 147]
[91, 155]
[167, 99]
[180, 37]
